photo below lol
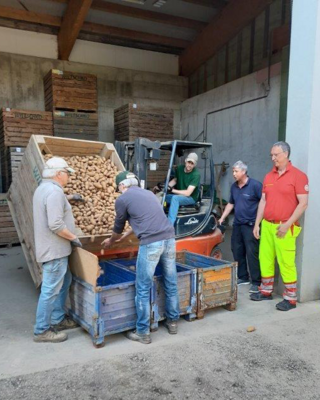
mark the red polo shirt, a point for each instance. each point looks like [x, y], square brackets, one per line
[281, 192]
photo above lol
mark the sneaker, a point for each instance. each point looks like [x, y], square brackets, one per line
[254, 289]
[243, 282]
[66, 323]
[139, 337]
[259, 297]
[172, 327]
[285, 305]
[50, 336]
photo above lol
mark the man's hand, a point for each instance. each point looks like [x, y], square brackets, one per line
[156, 189]
[77, 197]
[282, 229]
[107, 243]
[76, 243]
[256, 232]
[220, 221]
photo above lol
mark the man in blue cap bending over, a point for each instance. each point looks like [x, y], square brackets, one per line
[157, 244]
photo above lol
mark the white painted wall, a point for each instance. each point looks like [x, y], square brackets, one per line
[245, 132]
[303, 127]
[45, 46]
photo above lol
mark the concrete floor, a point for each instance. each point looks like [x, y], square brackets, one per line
[20, 355]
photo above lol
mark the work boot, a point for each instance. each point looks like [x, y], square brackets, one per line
[172, 326]
[144, 338]
[50, 336]
[260, 296]
[66, 323]
[285, 305]
[254, 289]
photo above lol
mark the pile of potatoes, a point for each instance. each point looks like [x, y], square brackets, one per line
[94, 180]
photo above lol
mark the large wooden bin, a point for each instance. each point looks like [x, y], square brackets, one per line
[8, 233]
[76, 125]
[17, 126]
[187, 285]
[216, 281]
[102, 296]
[73, 91]
[29, 176]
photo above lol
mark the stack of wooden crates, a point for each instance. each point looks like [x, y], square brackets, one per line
[133, 120]
[16, 128]
[73, 99]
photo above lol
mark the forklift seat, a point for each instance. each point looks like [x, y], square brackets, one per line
[192, 208]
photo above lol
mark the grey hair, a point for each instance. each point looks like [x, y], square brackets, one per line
[284, 147]
[241, 165]
[130, 182]
[48, 173]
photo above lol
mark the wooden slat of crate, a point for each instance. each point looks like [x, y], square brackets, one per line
[8, 233]
[76, 125]
[28, 178]
[10, 162]
[17, 126]
[65, 90]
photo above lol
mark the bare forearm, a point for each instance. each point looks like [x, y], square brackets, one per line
[227, 211]
[260, 212]
[301, 208]
[173, 182]
[114, 237]
[66, 234]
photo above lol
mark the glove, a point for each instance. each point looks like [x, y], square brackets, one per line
[76, 243]
[77, 197]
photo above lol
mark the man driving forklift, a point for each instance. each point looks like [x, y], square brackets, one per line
[183, 189]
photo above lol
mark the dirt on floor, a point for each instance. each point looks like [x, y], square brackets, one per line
[277, 361]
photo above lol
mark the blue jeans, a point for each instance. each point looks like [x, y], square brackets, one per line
[149, 256]
[175, 202]
[56, 281]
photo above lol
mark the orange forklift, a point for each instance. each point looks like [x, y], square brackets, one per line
[196, 226]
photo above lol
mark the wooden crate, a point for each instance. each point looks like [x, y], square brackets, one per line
[76, 125]
[65, 90]
[102, 296]
[216, 281]
[17, 126]
[29, 177]
[11, 158]
[8, 233]
[132, 121]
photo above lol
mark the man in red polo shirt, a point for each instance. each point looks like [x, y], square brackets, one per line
[284, 199]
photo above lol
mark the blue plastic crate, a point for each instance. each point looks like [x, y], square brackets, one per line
[108, 307]
[187, 284]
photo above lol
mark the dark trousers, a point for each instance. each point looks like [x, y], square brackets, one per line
[245, 249]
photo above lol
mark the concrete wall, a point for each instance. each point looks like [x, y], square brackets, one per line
[21, 86]
[244, 132]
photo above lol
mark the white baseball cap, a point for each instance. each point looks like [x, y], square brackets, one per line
[58, 164]
[193, 157]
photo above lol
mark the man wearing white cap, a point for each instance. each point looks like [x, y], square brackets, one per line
[54, 236]
[184, 188]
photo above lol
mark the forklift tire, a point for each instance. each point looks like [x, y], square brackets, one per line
[216, 253]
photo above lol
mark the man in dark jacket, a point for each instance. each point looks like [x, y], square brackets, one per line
[157, 244]
[244, 199]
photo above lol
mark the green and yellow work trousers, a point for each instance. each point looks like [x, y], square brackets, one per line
[284, 249]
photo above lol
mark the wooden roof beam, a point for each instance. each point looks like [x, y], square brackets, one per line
[72, 22]
[113, 33]
[224, 27]
[138, 13]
